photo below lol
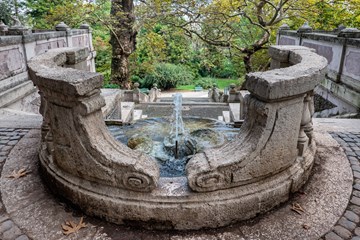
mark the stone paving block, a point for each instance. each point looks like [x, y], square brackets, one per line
[22, 237]
[3, 153]
[332, 236]
[354, 208]
[349, 225]
[355, 168]
[12, 233]
[356, 193]
[6, 148]
[15, 138]
[342, 232]
[355, 200]
[352, 216]
[2, 159]
[350, 153]
[14, 142]
[356, 174]
[353, 160]
[3, 218]
[357, 153]
[8, 224]
[355, 238]
[355, 148]
[357, 231]
[3, 142]
[347, 139]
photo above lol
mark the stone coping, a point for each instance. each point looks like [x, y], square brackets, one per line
[326, 37]
[306, 70]
[15, 39]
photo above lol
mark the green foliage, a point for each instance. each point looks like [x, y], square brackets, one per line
[111, 85]
[167, 75]
[209, 82]
[206, 83]
[6, 11]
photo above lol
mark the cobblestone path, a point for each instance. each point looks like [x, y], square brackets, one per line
[9, 137]
[348, 226]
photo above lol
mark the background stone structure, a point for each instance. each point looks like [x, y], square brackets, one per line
[18, 47]
[341, 48]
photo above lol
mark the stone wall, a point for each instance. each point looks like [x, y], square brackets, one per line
[18, 45]
[341, 48]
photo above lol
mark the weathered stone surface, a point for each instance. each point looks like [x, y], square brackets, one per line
[271, 157]
[308, 71]
[82, 146]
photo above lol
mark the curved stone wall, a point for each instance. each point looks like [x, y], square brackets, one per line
[271, 157]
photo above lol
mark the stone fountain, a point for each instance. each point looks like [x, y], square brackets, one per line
[270, 158]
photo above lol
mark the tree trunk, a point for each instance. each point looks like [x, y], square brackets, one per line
[122, 40]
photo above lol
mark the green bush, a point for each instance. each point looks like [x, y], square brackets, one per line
[205, 83]
[167, 75]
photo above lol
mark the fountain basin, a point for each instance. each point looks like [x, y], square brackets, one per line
[148, 136]
[173, 205]
[271, 156]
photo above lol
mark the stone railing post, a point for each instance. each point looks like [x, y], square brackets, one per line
[305, 28]
[345, 34]
[154, 93]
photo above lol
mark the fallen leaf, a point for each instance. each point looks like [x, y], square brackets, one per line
[306, 226]
[70, 227]
[297, 208]
[18, 174]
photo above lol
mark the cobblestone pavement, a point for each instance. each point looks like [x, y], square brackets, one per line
[9, 137]
[347, 227]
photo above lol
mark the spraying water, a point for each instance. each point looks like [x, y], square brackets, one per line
[179, 143]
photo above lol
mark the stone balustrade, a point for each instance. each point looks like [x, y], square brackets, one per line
[272, 155]
[277, 111]
[75, 139]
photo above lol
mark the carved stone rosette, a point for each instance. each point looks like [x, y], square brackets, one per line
[272, 155]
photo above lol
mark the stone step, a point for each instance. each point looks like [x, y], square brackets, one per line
[137, 114]
[16, 93]
[226, 116]
[234, 111]
[11, 82]
[127, 111]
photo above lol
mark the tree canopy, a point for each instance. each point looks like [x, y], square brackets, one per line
[218, 38]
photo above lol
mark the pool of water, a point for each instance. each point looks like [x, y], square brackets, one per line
[148, 136]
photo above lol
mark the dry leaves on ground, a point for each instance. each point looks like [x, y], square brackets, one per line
[18, 174]
[70, 227]
[297, 208]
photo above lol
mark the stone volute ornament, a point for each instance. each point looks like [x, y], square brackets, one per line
[271, 157]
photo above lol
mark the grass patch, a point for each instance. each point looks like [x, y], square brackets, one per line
[221, 83]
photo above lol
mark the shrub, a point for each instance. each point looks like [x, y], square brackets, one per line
[206, 83]
[167, 75]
